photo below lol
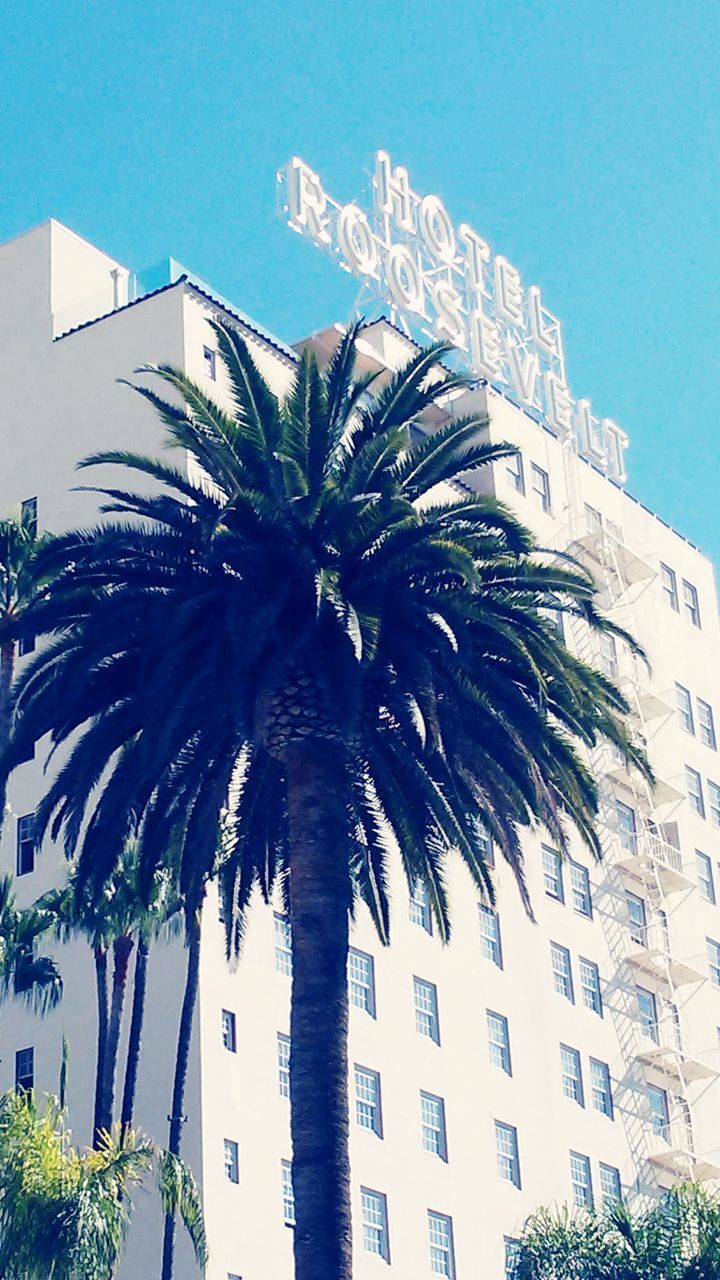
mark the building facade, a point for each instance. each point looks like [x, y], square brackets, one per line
[573, 1058]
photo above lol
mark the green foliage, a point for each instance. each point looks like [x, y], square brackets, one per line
[65, 1213]
[320, 550]
[677, 1238]
[34, 979]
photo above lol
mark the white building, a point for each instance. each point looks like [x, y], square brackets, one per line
[524, 1063]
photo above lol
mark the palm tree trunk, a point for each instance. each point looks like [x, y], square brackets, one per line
[101, 986]
[7, 670]
[182, 1059]
[134, 1041]
[320, 902]
[122, 949]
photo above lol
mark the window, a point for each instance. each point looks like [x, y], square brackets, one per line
[540, 486]
[512, 1255]
[714, 798]
[283, 1061]
[420, 906]
[580, 889]
[695, 791]
[426, 1009]
[562, 971]
[485, 842]
[499, 1041]
[683, 701]
[209, 362]
[552, 873]
[713, 949]
[593, 519]
[659, 1113]
[572, 1085]
[26, 644]
[232, 1162]
[228, 1031]
[26, 844]
[600, 1087]
[29, 515]
[283, 945]
[637, 918]
[608, 655]
[374, 1223]
[691, 603]
[590, 985]
[610, 1189]
[647, 1013]
[442, 1254]
[669, 586]
[516, 473]
[706, 881]
[368, 1111]
[288, 1193]
[508, 1160]
[24, 1069]
[706, 724]
[432, 1119]
[490, 940]
[361, 969]
[627, 827]
[581, 1180]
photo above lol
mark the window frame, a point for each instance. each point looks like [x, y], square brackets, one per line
[432, 1014]
[601, 1092]
[668, 583]
[491, 943]
[288, 1193]
[25, 1069]
[283, 944]
[684, 708]
[449, 1249]
[553, 880]
[582, 893]
[232, 1161]
[706, 726]
[650, 1026]
[696, 800]
[283, 1063]
[502, 1130]
[419, 909]
[573, 1088]
[691, 603]
[585, 966]
[706, 883]
[503, 1062]
[517, 478]
[437, 1148]
[374, 1107]
[23, 843]
[368, 1003]
[556, 948]
[229, 1026]
[581, 1161]
[383, 1227]
[543, 493]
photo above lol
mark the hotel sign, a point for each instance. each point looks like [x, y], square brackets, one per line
[442, 280]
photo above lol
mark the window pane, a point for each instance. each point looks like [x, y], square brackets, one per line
[361, 970]
[637, 918]
[426, 1010]
[562, 971]
[695, 791]
[432, 1118]
[714, 797]
[374, 1222]
[24, 1069]
[283, 944]
[706, 880]
[590, 985]
[232, 1166]
[669, 586]
[507, 1153]
[442, 1259]
[490, 935]
[420, 907]
[600, 1087]
[283, 1061]
[572, 1085]
[684, 708]
[552, 872]
[288, 1193]
[540, 485]
[580, 889]
[228, 1031]
[367, 1100]
[706, 721]
[647, 1013]
[610, 1188]
[714, 961]
[25, 854]
[499, 1041]
[659, 1114]
[691, 603]
[516, 473]
[627, 827]
[581, 1180]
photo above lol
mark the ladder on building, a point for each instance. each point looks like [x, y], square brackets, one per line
[661, 1148]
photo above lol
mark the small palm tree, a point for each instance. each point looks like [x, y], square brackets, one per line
[34, 979]
[19, 587]
[65, 1213]
[320, 626]
[676, 1239]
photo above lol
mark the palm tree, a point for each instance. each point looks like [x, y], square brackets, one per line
[676, 1239]
[19, 586]
[65, 1213]
[316, 625]
[34, 979]
[110, 923]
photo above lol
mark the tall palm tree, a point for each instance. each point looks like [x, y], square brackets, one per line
[316, 625]
[65, 1213]
[19, 586]
[675, 1239]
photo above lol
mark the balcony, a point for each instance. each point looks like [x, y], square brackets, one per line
[663, 793]
[654, 961]
[650, 705]
[598, 546]
[677, 1067]
[672, 1155]
[654, 862]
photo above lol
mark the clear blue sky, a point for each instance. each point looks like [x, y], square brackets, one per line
[581, 140]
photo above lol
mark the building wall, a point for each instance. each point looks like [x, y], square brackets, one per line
[61, 400]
